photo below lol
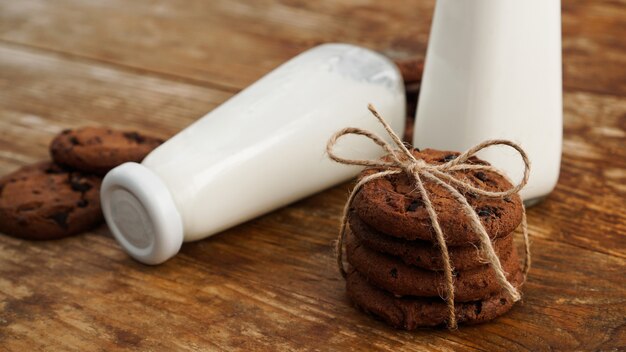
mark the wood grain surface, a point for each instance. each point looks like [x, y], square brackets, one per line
[271, 284]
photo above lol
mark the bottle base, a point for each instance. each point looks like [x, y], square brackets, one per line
[141, 213]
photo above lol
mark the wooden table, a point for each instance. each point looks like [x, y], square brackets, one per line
[271, 284]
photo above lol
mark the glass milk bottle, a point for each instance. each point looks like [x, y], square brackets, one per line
[493, 71]
[260, 150]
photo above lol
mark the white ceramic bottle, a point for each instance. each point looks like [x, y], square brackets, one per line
[260, 150]
[493, 70]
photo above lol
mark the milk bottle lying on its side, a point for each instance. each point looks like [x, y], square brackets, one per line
[260, 150]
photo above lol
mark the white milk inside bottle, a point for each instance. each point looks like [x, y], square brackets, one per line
[260, 150]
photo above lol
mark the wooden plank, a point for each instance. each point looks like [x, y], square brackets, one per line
[594, 51]
[40, 95]
[584, 208]
[231, 44]
[54, 93]
[221, 42]
[271, 284]
[261, 286]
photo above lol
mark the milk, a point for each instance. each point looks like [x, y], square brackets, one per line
[262, 149]
[493, 70]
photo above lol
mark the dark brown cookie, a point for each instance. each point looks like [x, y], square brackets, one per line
[392, 275]
[425, 254]
[410, 313]
[411, 69]
[44, 201]
[392, 205]
[99, 149]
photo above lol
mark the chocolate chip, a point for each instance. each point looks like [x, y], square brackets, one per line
[484, 211]
[478, 307]
[1, 189]
[134, 136]
[508, 200]
[416, 203]
[60, 218]
[481, 176]
[74, 140]
[394, 273]
[54, 170]
[502, 301]
[488, 211]
[82, 203]
[22, 221]
[66, 131]
[78, 186]
[449, 157]
[94, 140]
[36, 191]
[416, 149]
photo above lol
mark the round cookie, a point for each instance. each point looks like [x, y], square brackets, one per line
[393, 205]
[99, 149]
[425, 254]
[392, 275]
[410, 313]
[44, 201]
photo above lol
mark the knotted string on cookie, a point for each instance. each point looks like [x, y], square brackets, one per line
[403, 161]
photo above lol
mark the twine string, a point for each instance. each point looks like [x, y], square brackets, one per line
[403, 161]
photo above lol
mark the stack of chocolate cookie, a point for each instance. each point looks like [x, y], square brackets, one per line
[396, 269]
[54, 199]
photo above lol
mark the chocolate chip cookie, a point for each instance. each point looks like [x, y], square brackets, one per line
[393, 205]
[410, 313]
[99, 149]
[393, 275]
[425, 254]
[45, 201]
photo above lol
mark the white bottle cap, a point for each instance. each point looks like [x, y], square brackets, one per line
[141, 213]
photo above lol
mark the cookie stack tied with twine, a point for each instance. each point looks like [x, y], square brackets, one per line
[429, 235]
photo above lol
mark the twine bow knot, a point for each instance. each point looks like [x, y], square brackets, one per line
[401, 160]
